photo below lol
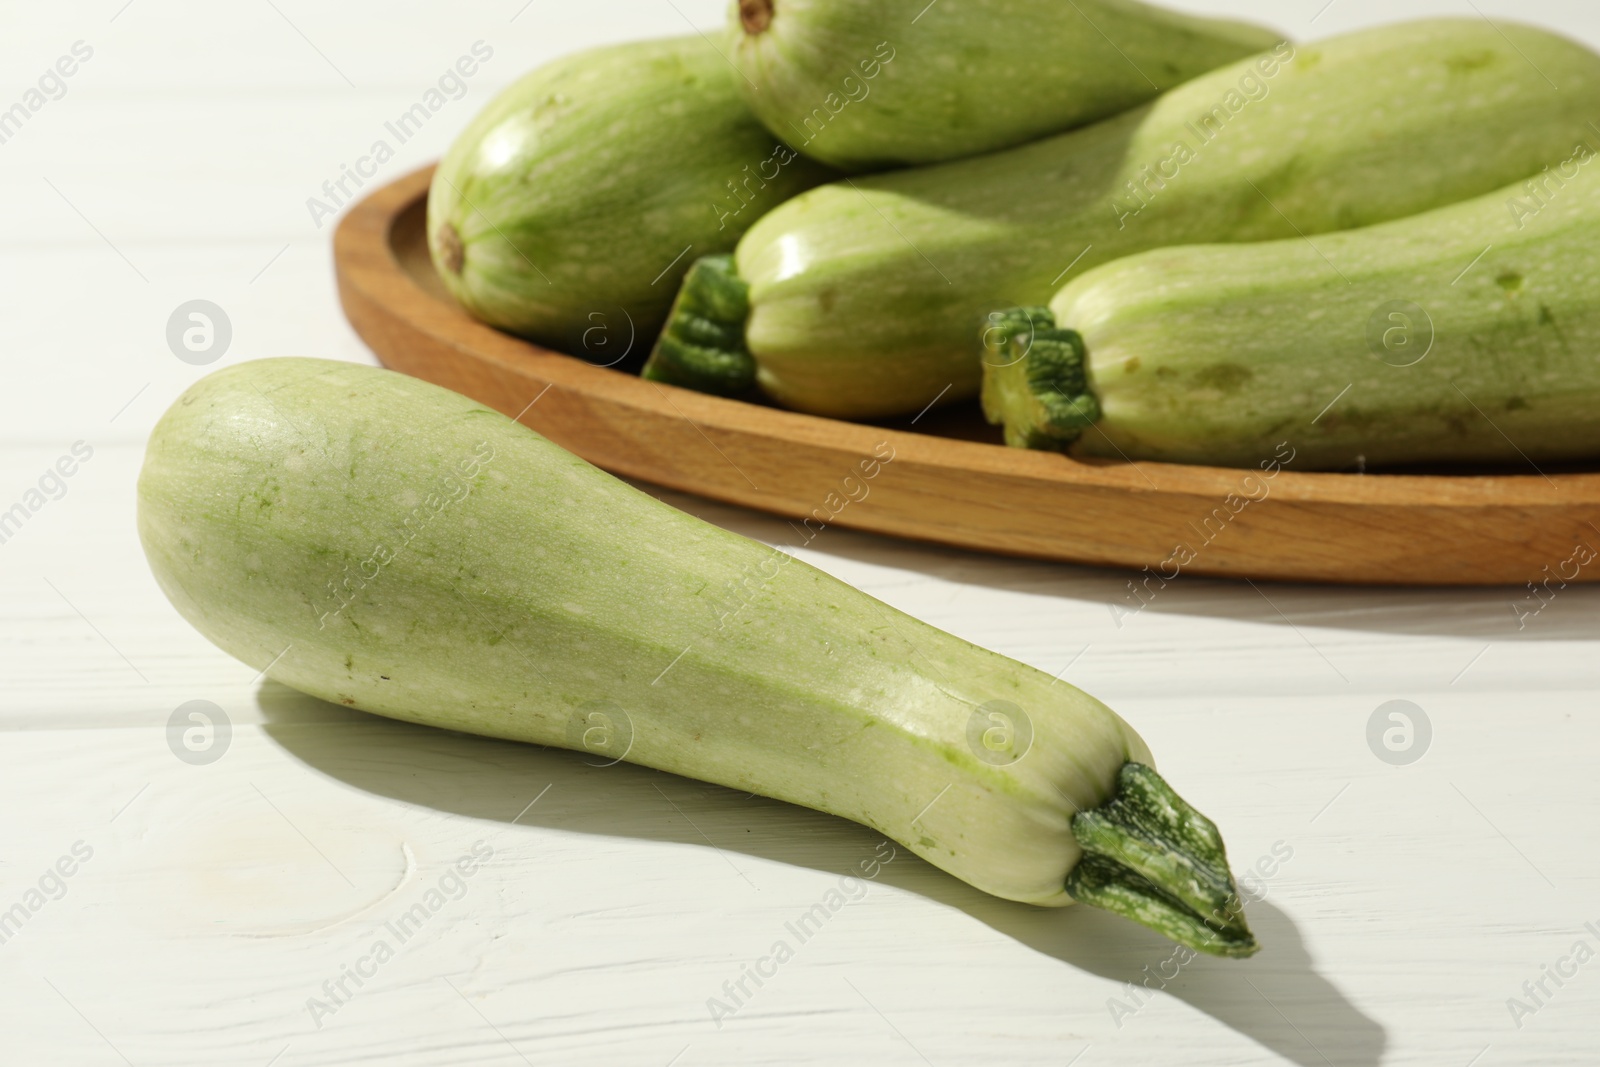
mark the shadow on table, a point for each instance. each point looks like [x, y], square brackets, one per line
[1277, 998]
[1488, 613]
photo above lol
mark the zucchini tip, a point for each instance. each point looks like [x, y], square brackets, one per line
[702, 346]
[1151, 857]
[1035, 381]
[755, 15]
[452, 253]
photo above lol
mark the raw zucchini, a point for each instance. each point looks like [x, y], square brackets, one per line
[866, 296]
[1471, 333]
[571, 206]
[386, 544]
[904, 81]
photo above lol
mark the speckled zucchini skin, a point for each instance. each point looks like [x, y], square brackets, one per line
[867, 298]
[575, 201]
[1469, 334]
[873, 83]
[386, 544]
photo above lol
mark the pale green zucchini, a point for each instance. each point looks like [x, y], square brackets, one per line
[865, 297]
[1468, 334]
[571, 206]
[386, 544]
[892, 82]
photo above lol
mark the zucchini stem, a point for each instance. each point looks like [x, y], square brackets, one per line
[1034, 381]
[755, 15]
[1150, 857]
[702, 345]
[451, 251]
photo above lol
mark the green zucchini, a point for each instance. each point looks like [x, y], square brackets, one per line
[380, 542]
[866, 297]
[1468, 334]
[903, 81]
[571, 206]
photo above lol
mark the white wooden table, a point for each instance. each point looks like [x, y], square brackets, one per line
[229, 912]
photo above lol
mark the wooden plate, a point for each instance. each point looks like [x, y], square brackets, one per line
[949, 481]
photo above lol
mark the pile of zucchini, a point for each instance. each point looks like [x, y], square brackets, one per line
[1137, 234]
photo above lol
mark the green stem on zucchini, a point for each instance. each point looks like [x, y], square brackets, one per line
[702, 345]
[1150, 857]
[1034, 381]
[755, 15]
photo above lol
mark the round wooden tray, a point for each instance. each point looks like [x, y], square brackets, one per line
[950, 481]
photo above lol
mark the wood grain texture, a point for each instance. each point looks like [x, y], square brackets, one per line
[1424, 529]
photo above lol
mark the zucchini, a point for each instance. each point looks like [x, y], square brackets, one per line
[572, 205]
[866, 297]
[902, 81]
[383, 543]
[1468, 334]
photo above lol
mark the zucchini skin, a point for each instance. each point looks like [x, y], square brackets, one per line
[863, 85]
[572, 205]
[1395, 344]
[424, 558]
[867, 296]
